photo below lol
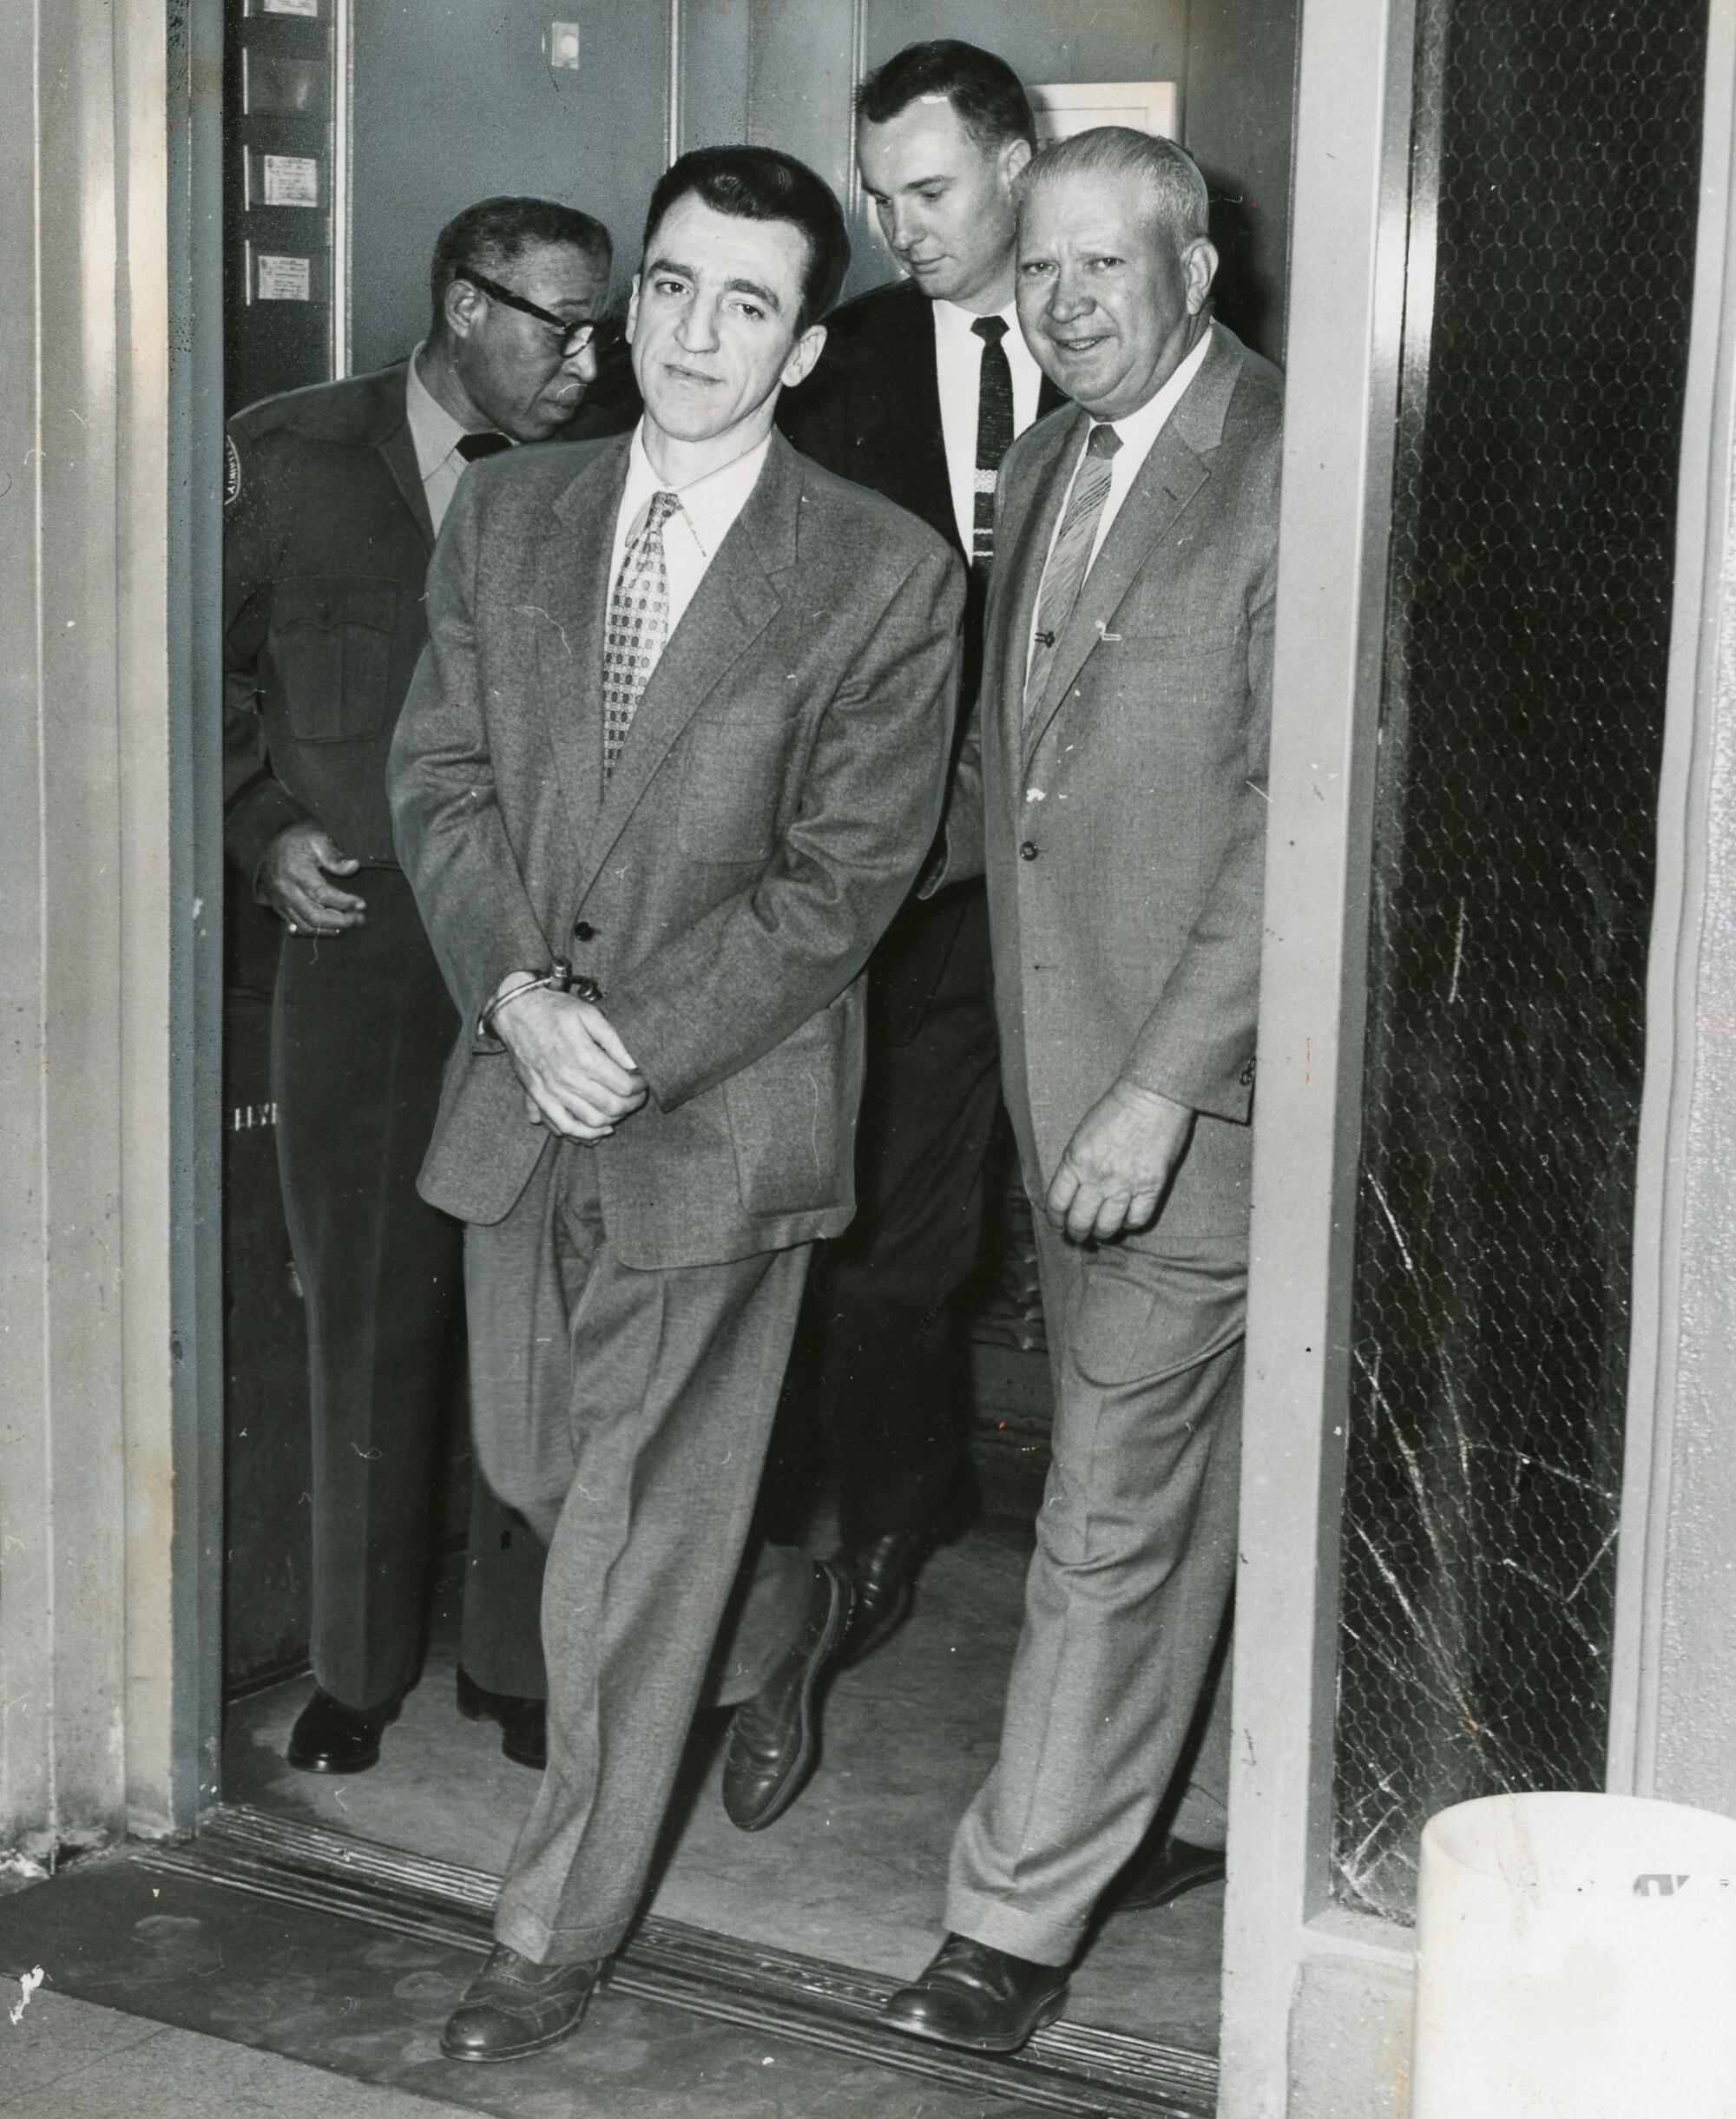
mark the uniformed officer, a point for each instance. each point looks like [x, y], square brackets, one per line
[334, 497]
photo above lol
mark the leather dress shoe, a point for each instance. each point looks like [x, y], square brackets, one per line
[513, 2007]
[987, 2000]
[523, 1723]
[774, 1737]
[1167, 1869]
[330, 1738]
[882, 1574]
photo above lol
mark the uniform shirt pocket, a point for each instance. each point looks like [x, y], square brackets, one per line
[330, 646]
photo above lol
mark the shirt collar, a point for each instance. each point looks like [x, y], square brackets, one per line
[955, 324]
[1139, 429]
[709, 504]
[432, 428]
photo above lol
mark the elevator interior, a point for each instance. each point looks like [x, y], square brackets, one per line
[351, 139]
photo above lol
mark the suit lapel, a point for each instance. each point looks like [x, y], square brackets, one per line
[1167, 480]
[1019, 573]
[569, 608]
[733, 604]
[912, 411]
[396, 447]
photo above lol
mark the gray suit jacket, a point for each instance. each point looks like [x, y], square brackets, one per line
[778, 790]
[1124, 826]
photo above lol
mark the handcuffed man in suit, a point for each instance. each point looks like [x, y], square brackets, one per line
[1122, 735]
[673, 758]
[919, 393]
[334, 497]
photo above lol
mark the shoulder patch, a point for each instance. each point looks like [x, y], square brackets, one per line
[232, 472]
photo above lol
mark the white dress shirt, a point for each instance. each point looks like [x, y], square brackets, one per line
[709, 507]
[436, 436]
[1139, 431]
[959, 369]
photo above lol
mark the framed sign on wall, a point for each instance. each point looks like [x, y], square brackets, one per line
[1064, 108]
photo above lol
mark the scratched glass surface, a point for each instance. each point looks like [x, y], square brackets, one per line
[1553, 175]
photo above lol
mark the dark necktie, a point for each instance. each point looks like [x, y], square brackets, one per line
[1065, 573]
[471, 446]
[994, 434]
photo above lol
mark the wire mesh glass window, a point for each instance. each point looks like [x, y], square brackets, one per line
[1554, 167]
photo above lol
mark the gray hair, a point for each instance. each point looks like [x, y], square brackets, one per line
[1168, 172]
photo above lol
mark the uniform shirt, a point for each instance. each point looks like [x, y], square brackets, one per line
[1139, 431]
[959, 369]
[436, 436]
[709, 507]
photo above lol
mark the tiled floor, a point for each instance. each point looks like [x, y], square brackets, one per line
[206, 1998]
[855, 1874]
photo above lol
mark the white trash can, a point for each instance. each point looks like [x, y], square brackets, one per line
[1576, 1959]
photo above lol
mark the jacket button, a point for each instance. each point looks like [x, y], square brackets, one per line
[1027, 852]
[583, 931]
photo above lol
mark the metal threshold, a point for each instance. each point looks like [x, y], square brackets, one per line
[1068, 2068]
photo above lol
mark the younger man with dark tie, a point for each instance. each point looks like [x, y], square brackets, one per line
[919, 394]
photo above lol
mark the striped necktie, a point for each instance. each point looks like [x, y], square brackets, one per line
[994, 434]
[1069, 560]
[638, 626]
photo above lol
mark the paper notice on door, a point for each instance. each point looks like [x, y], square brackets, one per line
[290, 7]
[291, 180]
[284, 279]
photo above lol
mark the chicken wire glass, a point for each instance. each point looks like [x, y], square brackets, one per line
[1554, 173]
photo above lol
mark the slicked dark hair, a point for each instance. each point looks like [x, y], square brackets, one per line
[987, 93]
[765, 184]
[491, 234]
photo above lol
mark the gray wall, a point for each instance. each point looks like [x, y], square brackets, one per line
[453, 100]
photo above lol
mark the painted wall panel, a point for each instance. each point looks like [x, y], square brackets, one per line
[454, 100]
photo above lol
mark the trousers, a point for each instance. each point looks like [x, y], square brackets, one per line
[361, 1025]
[626, 1414]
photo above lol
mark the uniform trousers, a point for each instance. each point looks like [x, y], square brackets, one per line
[626, 1413]
[361, 1025]
[1128, 1597]
[882, 1320]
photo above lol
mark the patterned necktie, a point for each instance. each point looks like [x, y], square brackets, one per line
[638, 626]
[994, 434]
[487, 442]
[1068, 562]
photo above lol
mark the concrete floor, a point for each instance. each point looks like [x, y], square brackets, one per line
[854, 1874]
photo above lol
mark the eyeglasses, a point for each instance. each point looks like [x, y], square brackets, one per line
[575, 336]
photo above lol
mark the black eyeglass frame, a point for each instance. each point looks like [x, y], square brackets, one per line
[574, 337]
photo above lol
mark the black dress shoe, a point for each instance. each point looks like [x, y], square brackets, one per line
[987, 2000]
[882, 1574]
[513, 2007]
[523, 1723]
[330, 1738]
[774, 1738]
[1167, 1869]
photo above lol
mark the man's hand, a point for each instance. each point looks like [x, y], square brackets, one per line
[292, 881]
[1118, 1164]
[579, 1078]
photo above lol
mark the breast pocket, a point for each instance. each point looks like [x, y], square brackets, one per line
[736, 760]
[330, 646]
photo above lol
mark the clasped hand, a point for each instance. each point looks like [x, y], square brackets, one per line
[1118, 1165]
[579, 1079]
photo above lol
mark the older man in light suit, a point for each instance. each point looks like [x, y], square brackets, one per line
[671, 762]
[1120, 810]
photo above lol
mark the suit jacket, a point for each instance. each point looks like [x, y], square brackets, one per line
[326, 544]
[1122, 824]
[778, 789]
[870, 411]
